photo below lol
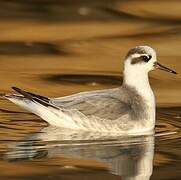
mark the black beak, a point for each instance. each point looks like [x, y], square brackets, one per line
[161, 67]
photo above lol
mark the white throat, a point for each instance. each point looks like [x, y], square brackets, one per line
[139, 80]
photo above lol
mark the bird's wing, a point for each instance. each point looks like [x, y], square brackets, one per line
[102, 104]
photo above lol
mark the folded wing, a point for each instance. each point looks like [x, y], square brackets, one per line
[100, 104]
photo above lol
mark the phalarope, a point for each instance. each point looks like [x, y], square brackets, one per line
[128, 109]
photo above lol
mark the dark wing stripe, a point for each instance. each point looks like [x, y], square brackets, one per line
[34, 95]
[39, 97]
[33, 98]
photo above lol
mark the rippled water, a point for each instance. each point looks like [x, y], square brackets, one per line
[57, 48]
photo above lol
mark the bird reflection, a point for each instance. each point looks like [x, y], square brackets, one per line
[129, 157]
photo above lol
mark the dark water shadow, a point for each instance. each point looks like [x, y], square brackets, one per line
[31, 48]
[55, 11]
[83, 79]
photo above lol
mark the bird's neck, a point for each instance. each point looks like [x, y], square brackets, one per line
[138, 80]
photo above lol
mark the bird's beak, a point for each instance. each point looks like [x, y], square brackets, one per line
[161, 67]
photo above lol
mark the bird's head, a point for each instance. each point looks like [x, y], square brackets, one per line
[143, 59]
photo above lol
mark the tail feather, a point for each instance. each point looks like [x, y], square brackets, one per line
[32, 94]
[36, 98]
[42, 107]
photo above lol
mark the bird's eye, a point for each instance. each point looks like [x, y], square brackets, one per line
[146, 58]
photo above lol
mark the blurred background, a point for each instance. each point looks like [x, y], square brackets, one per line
[60, 47]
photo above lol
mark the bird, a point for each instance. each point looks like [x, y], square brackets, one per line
[128, 109]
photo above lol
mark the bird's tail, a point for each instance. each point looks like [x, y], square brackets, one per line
[41, 106]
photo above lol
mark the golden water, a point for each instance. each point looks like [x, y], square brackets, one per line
[57, 48]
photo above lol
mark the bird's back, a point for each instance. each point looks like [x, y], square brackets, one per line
[107, 105]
